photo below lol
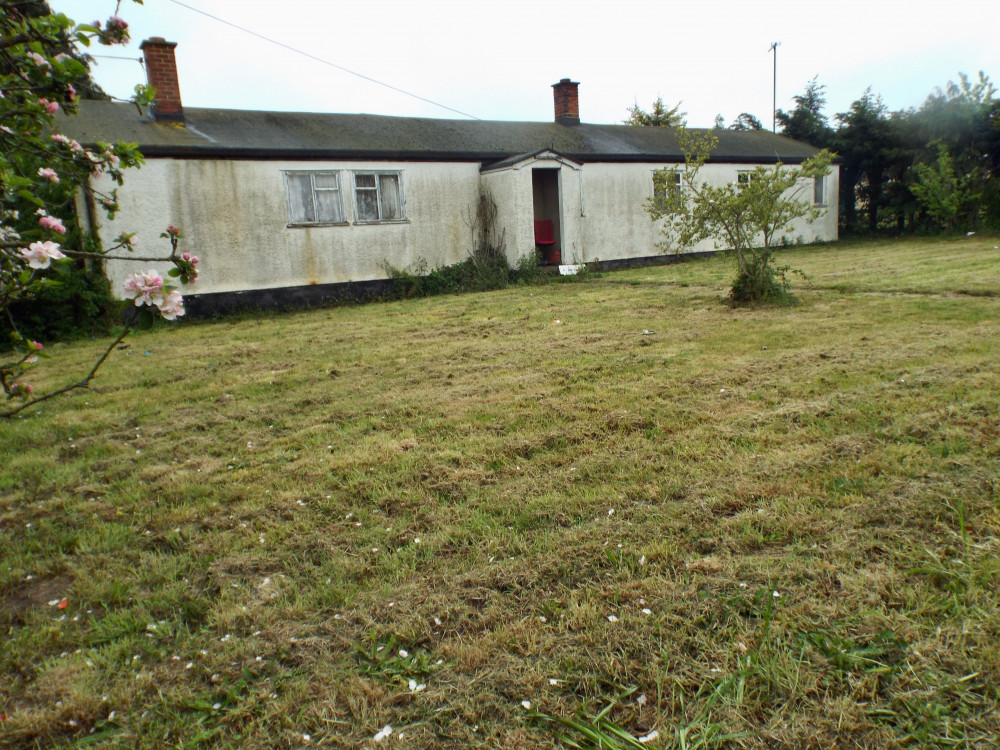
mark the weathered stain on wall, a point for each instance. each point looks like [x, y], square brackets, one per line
[235, 217]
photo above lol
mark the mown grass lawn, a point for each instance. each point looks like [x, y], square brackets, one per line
[772, 528]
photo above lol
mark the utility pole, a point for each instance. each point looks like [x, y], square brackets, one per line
[774, 95]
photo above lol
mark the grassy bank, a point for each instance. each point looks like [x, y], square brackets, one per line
[778, 526]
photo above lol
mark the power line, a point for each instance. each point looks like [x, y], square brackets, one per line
[321, 60]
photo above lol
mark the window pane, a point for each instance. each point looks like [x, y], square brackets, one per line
[326, 180]
[819, 194]
[300, 202]
[367, 205]
[328, 206]
[364, 180]
[391, 208]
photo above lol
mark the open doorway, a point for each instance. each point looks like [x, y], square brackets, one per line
[548, 234]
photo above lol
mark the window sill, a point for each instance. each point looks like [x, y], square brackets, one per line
[308, 224]
[359, 223]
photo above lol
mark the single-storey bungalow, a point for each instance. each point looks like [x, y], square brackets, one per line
[284, 207]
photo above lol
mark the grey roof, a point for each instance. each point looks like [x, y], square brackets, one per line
[222, 133]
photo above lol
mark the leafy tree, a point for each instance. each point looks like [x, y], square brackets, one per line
[747, 217]
[865, 139]
[746, 121]
[964, 118]
[41, 172]
[806, 122]
[939, 189]
[658, 116]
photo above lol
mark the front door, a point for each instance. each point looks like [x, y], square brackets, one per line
[548, 234]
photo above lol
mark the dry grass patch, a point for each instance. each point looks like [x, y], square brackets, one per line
[753, 528]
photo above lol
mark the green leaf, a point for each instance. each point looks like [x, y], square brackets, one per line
[144, 321]
[30, 197]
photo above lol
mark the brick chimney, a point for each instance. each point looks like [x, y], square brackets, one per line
[567, 102]
[161, 73]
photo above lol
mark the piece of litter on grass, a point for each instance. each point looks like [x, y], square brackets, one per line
[641, 700]
[382, 733]
[612, 618]
[647, 332]
[647, 611]
[553, 681]
[306, 738]
[642, 560]
[649, 737]
[403, 653]
[216, 706]
[526, 704]
[775, 594]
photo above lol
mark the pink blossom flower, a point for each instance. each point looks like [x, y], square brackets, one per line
[146, 288]
[36, 345]
[38, 60]
[21, 389]
[41, 254]
[173, 231]
[48, 173]
[60, 138]
[172, 305]
[70, 92]
[53, 223]
[50, 107]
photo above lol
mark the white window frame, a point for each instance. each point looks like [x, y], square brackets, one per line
[378, 174]
[312, 173]
[819, 190]
[678, 184]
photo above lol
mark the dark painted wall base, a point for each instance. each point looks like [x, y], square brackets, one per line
[651, 260]
[319, 295]
[286, 298]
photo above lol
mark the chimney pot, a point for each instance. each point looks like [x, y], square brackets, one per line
[161, 74]
[567, 102]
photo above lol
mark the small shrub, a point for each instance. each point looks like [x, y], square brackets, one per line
[760, 283]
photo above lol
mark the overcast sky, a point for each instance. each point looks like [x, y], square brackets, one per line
[498, 60]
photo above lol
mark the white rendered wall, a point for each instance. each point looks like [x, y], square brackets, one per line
[234, 217]
[616, 225]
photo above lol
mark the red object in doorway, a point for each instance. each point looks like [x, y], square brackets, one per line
[543, 233]
[546, 242]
